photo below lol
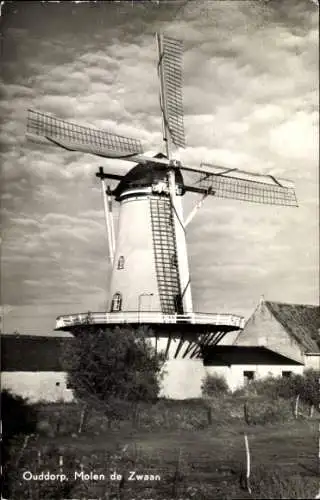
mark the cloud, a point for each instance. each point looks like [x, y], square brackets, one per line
[297, 136]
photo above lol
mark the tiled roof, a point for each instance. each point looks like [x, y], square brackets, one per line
[302, 322]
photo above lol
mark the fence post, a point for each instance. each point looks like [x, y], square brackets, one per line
[121, 488]
[39, 463]
[177, 476]
[296, 407]
[209, 413]
[246, 413]
[248, 467]
[311, 411]
[23, 447]
[136, 416]
[81, 420]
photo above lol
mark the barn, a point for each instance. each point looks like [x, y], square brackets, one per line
[31, 366]
[278, 339]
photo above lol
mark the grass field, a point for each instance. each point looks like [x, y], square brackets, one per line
[196, 455]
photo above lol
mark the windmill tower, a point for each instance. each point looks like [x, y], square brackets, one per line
[150, 279]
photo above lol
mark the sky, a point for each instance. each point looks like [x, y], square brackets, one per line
[251, 81]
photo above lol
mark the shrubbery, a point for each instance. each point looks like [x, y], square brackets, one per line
[18, 419]
[214, 385]
[307, 386]
[113, 370]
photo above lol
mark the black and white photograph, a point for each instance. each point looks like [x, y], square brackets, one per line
[160, 319]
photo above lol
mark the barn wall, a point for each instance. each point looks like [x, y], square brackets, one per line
[230, 337]
[235, 377]
[37, 386]
[262, 329]
[312, 361]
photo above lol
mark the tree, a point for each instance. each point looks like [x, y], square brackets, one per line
[113, 368]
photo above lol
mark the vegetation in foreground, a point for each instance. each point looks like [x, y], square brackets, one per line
[199, 453]
[199, 465]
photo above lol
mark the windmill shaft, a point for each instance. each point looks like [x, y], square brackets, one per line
[109, 201]
[108, 221]
[115, 177]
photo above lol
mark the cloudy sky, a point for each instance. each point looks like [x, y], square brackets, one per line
[251, 101]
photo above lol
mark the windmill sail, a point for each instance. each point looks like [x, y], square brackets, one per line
[46, 128]
[170, 65]
[240, 185]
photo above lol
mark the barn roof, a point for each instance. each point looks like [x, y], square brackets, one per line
[302, 322]
[32, 353]
[228, 355]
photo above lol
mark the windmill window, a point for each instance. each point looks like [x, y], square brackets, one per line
[116, 303]
[57, 384]
[121, 262]
[248, 377]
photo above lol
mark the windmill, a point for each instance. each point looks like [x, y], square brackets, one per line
[150, 280]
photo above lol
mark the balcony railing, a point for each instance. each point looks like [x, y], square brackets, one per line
[137, 317]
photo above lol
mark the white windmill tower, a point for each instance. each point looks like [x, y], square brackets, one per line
[150, 280]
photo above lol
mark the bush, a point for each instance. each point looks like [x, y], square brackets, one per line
[310, 387]
[263, 411]
[214, 385]
[18, 418]
[306, 385]
[113, 370]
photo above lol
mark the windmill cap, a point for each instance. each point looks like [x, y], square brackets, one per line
[145, 175]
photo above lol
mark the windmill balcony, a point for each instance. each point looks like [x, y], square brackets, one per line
[69, 321]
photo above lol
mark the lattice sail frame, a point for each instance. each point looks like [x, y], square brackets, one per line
[44, 127]
[244, 186]
[171, 59]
